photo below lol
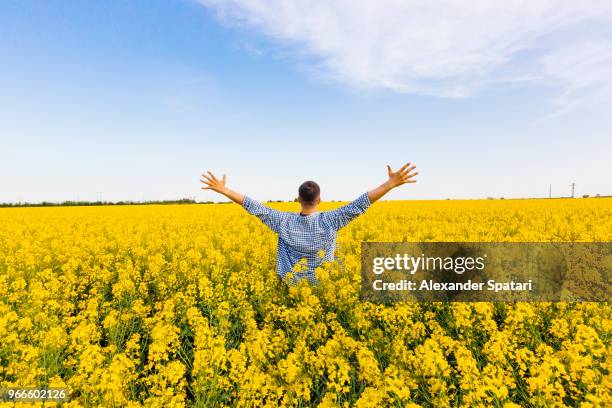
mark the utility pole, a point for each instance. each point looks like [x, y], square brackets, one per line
[550, 191]
[573, 187]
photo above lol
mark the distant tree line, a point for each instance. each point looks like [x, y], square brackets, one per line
[71, 203]
[74, 203]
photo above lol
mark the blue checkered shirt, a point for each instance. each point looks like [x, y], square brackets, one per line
[306, 236]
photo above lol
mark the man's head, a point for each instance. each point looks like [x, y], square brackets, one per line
[309, 193]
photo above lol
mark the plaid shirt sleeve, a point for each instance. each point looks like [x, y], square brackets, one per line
[340, 217]
[269, 216]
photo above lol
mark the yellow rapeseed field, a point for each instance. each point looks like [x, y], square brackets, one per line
[180, 305]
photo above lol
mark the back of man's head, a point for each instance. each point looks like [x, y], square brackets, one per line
[309, 192]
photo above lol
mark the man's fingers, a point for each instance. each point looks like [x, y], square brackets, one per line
[404, 167]
[408, 170]
[211, 175]
[209, 185]
[389, 171]
[207, 177]
[405, 178]
[224, 178]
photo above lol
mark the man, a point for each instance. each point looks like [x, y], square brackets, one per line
[309, 234]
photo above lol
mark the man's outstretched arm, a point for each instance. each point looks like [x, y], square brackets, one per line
[340, 217]
[269, 216]
[404, 175]
[214, 184]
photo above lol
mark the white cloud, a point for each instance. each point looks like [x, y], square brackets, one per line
[584, 71]
[445, 48]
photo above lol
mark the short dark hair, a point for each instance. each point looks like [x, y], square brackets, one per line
[309, 191]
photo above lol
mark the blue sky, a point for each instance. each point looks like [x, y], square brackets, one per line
[133, 100]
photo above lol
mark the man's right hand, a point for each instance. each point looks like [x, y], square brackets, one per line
[396, 179]
[402, 176]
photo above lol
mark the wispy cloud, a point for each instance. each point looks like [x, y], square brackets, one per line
[583, 70]
[444, 48]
